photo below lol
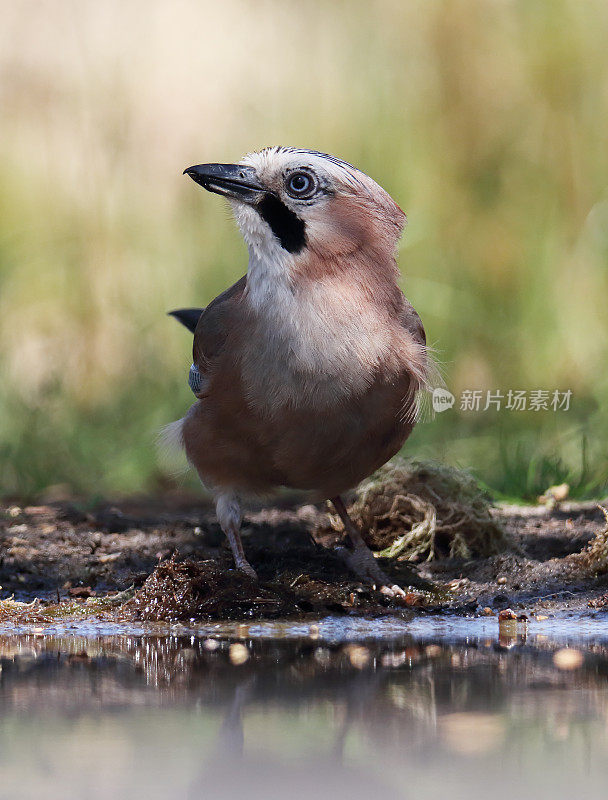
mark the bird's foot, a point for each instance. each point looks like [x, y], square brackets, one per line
[361, 561]
[244, 566]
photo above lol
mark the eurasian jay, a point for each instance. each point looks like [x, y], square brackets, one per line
[308, 368]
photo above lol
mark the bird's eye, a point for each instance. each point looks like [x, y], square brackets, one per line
[300, 184]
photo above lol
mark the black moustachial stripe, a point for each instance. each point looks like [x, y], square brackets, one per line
[286, 226]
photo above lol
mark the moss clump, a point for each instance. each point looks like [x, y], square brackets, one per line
[180, 590]
[419, 510]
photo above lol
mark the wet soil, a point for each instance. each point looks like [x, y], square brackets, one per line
[69, 553]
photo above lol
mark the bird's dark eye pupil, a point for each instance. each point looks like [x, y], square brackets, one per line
[299, 183]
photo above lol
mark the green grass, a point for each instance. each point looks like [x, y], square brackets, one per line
[488, 122]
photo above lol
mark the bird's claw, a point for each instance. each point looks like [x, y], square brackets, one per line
[362, 562]
[245, 567]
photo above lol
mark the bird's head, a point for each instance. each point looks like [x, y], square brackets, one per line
[296, 206]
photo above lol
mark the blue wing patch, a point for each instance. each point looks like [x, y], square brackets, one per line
[195, 379]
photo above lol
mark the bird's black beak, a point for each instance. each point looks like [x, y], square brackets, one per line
[230, 180]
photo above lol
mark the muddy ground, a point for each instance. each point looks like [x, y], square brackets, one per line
[67, 552]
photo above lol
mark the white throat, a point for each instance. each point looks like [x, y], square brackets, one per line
[270, 265]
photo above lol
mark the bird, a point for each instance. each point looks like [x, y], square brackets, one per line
[308, 370]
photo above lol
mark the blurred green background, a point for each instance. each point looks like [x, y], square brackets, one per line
[487, 120]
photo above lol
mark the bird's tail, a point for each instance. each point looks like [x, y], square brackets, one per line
[170, 447]
[171, 437]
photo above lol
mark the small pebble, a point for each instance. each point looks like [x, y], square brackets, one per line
[393, 659]
[487, 612]
[238, 653]
[187, 655]
[568, 658]
[322, 655]
[17, 529]
[413, 599]
[106, 558]
[358, 655]
[502, 580]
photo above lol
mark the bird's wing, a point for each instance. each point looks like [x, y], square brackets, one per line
[421, 366]
[214, 325]
[411, 321]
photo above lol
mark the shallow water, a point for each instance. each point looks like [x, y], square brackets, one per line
[338, 708]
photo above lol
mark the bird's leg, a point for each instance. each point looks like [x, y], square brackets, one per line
[360, 559]
[230, 517]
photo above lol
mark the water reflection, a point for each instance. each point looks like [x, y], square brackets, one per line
[160, 715]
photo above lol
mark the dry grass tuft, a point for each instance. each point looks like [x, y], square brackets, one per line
[419, 510]
[22, 613]
[37, 612]
[593, 559]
